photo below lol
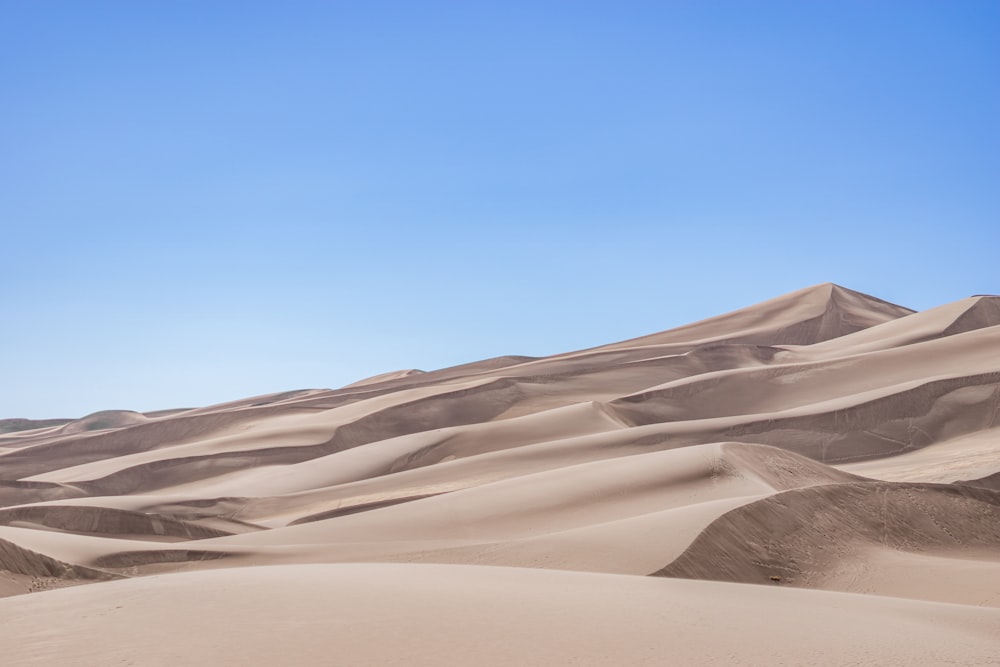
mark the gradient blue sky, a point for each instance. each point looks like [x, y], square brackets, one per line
[203, 201]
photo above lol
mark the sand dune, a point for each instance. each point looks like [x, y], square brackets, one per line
[824, 459]
[848, 536]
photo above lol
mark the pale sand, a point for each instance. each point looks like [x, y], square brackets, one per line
[368, 614]
[829, 439]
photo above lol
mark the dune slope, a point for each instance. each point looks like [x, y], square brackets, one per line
[365, 614]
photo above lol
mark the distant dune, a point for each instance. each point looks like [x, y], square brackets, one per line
[809, 480]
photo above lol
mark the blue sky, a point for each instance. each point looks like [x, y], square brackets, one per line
[202, 201]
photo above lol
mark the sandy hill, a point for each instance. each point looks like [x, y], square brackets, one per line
[808, 480]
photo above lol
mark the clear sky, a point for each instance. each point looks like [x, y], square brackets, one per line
[206, 200]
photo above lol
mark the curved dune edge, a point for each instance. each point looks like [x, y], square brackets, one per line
[26, 571]
[856, 537]
[84, 520]
[461, 615]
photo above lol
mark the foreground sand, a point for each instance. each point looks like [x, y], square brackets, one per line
[768, 466]
[384, 614]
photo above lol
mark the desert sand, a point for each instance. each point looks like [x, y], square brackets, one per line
[810, 480]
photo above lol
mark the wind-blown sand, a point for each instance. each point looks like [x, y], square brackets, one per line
[811, 480]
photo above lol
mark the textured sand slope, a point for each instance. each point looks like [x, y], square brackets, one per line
[968, 457]
[849, 536]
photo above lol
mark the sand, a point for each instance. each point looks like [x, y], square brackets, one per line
[810, 480]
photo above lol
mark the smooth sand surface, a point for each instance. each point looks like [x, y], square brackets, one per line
[371, 614]
[810, 480]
